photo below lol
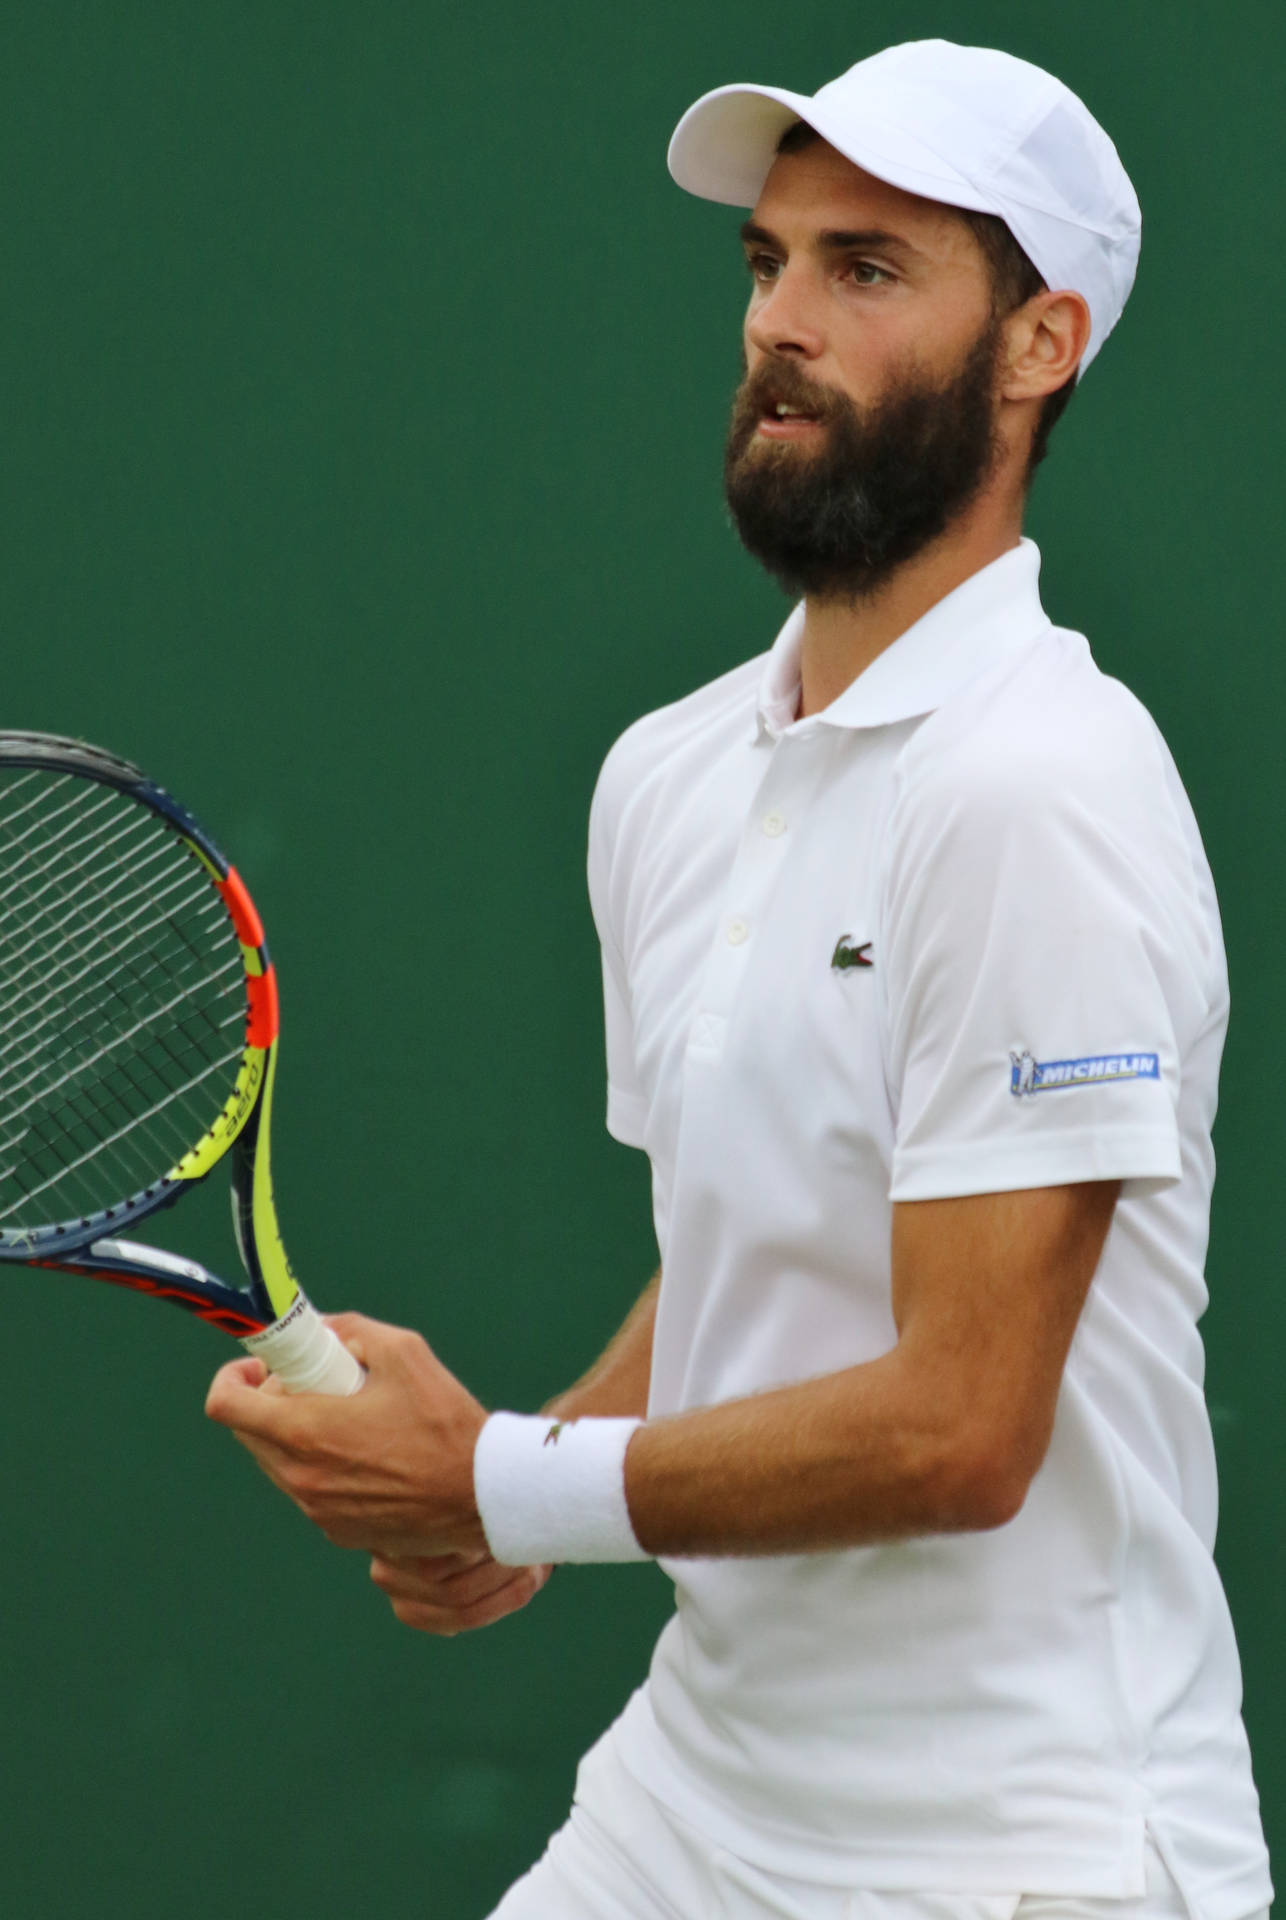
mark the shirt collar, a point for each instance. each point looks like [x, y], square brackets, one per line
[994, 613]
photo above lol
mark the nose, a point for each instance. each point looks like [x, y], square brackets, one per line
[782, 318]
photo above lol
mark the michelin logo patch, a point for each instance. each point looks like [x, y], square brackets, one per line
[1029, 1075]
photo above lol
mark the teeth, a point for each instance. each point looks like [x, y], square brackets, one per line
[783, 411]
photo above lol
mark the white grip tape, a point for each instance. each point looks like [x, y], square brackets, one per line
[305, 1354]
[554, 1490]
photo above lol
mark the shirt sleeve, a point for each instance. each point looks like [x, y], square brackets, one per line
[626, 1103]
[1042, 973]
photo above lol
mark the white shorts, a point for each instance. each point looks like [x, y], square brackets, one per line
[623, 1856]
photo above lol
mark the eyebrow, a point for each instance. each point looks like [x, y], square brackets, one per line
[832, 239]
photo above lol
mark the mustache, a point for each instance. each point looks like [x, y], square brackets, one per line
[780, 380]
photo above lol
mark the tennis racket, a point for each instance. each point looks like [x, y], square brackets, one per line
[138, 1048]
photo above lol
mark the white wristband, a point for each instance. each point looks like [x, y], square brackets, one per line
[554, 1490]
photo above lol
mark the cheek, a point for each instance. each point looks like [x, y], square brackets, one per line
[749, 351]
[869, 357]
[888, 343]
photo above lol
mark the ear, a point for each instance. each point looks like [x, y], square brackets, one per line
[1046, 339]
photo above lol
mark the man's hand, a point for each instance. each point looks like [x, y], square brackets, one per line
[389, 1470]
[455, 1592]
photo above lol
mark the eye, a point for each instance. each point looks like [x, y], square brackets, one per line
[763, 266]
[867, 274]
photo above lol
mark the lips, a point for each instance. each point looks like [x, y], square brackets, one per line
[780, 420]
[782, 409]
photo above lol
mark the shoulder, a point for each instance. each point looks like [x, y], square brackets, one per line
[663, 744]
[1048, 781]
[1047, 731]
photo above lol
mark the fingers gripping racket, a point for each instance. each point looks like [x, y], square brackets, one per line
[138, 1048]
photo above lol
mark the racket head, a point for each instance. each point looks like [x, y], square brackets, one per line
[138, 1014]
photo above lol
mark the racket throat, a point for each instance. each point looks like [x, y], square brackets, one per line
[166, 1276]
[254, 1212]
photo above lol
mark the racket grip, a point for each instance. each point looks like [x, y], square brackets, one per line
[305, 1354]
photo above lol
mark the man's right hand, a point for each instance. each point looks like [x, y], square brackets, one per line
[455, 1592]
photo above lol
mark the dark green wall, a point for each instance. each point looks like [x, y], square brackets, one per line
[363, 389]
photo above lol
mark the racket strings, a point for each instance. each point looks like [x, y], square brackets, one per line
[81, 984]
[100, 939]
[124, 998]
[74, 1116]
[97, 940]
[32, 897]
[99, 936]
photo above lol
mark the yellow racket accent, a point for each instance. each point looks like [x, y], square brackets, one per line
[277, 1277]
[212, 1146]
[199, 853]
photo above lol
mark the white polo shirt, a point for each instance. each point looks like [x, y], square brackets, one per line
[955, 934]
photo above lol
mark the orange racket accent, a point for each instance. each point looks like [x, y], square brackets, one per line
[226, 1318]
[262, 1018]
[242, 908]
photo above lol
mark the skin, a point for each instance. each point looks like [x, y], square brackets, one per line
[457, 1592]
[858, 317]
[945, 1432]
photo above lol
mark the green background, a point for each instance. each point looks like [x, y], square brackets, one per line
[364, 381]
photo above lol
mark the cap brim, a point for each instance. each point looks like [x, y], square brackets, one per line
[726, 142]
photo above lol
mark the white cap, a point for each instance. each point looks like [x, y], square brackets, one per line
[964, 125]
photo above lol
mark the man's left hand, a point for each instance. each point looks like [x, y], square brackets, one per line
[389, 1470]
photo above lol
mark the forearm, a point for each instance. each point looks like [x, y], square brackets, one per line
[850, 1459]
[617, 1384]
[942, 1434]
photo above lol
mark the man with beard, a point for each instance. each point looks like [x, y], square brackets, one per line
[915, 998]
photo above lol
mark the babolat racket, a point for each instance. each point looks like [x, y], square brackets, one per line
[138, 1047]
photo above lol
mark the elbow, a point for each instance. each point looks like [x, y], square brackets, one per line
[994, 1498]
[984, 1486]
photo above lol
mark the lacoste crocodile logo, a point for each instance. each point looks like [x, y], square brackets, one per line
[846, 955]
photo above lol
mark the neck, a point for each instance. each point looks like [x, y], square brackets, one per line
[842, 637]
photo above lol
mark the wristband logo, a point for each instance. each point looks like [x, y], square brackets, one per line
[1027, 1075]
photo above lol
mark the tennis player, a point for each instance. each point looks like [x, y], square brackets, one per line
[915, 998]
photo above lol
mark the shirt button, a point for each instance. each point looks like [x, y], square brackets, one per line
[738, 931]
[773, 824]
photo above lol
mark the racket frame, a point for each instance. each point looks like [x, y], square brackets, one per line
[91, 1245]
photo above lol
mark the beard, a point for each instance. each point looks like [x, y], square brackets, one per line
[837, 521]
